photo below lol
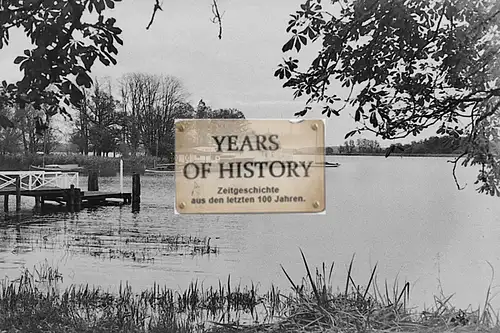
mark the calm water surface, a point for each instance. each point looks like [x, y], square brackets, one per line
[403, 214]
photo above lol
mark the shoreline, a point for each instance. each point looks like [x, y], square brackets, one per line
[397, 155]
[23, 162]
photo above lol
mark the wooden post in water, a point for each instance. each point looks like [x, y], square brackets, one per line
[89, 180]
[93, 182]
[6, 203]
[78, 199]
[136, 190]
[37, 201]
[18, 193]
[71, 197]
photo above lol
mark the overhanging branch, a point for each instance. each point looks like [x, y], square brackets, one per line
[155, 9]
[215, 10]
[217, 17]
[455, 162]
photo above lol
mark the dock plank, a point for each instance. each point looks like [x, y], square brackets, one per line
[58, 194]
[37, 192]
[97, 195]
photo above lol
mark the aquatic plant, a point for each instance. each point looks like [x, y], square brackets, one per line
[84, 307]
[108, 244]
[311, 306]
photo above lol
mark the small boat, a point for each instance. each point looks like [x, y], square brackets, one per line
[58, 167]
[162, 169]
[331, 165]
[327, 165]
[158, 170]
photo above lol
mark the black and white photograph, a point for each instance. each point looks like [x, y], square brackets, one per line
[223, 166]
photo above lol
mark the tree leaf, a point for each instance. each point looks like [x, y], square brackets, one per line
[19, 59]
[351, 133]
[83, 79]
[110, 4]
[297, 44]
[357, 116]
[289, 45]
[118, 40]
[105, 61]
[373, 119]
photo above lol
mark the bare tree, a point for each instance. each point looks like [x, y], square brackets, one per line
[152, 103]
[131, 90]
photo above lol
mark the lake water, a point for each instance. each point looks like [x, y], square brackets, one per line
[403, 214]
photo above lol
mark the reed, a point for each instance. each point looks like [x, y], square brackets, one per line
[312, 305]
[110, 244]
[25, 306]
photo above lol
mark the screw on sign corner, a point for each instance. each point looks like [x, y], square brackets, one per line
[316, 204]
[182, 205]
[180, 127]
[314, 127]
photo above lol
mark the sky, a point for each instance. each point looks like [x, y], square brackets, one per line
[234, 72]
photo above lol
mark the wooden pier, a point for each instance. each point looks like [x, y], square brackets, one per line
[62, 188]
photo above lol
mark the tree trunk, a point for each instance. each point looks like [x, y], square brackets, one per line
[25, 141]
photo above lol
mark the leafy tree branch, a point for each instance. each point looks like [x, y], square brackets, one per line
[66, 47]
[408, 66]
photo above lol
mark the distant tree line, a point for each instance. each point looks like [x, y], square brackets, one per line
[434, 145]
[135, 116]
[448, 144]
[362, 146]
[143, 117]
[29, 130]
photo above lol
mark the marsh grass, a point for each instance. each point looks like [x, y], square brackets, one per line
[111, 244]
[141, 248]
[311, 306]
[26, 307]
[315, 307]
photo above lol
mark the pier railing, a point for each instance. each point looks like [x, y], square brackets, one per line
[33, 180]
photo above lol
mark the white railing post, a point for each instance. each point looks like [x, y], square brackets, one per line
[121, 176]
[29, 182]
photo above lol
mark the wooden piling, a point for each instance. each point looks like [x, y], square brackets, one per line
[6, 203]
[18, 193]
[78, 199]
[72, 196]
[136, 189]
[93, 181]
[37, 201]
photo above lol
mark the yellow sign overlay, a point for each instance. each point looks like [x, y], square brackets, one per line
[249, 166]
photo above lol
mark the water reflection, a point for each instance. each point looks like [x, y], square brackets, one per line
[136, 208]
[404, 214]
